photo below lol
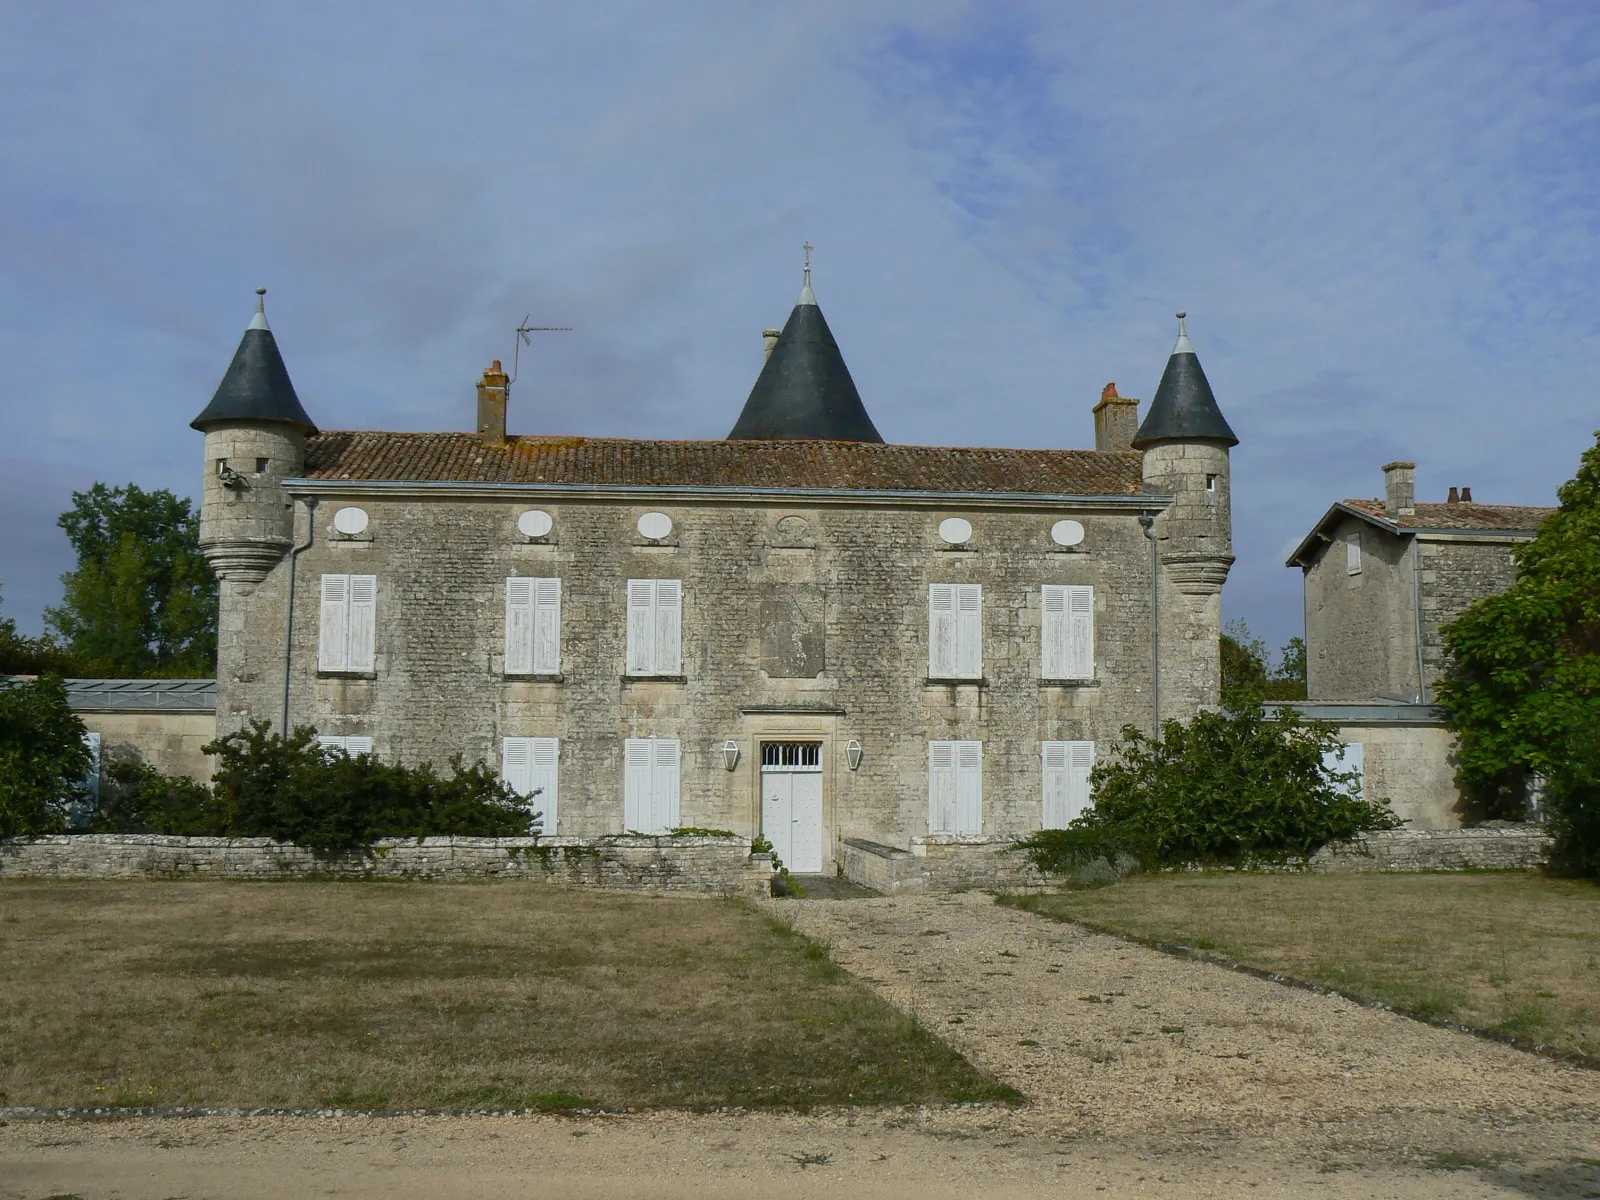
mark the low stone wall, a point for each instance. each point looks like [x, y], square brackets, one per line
[708, 865]
[1487, 847]
[940, 863]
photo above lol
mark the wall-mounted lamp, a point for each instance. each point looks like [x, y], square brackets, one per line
[730, 755]
[852, 754]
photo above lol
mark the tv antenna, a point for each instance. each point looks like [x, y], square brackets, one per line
[523, 339]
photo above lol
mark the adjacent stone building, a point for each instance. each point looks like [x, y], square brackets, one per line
[801, 630]
[1382, 577]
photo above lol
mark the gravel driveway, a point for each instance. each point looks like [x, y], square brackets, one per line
[1110, 1039]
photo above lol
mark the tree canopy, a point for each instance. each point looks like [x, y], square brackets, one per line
[1248, 673]
[42, 756]
[1523, 690]
[142, 601]
[24, 655]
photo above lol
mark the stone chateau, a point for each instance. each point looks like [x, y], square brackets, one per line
[800, 630]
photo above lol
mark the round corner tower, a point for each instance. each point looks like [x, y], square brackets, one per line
[1185, 440]
[256, 434]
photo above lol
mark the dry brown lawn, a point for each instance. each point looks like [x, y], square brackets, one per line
[1511, 952]
[379, 995]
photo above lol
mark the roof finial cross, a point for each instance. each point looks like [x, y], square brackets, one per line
[808, 248]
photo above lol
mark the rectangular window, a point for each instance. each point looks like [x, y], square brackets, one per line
[655, 637]
[955, 787]
[1066, 781]
[1352, 758]
[528, 764]
[1352, 553]
[533, 626]
[349, 606]
[955, 631]
[1066, 638]
[350, 746]
[651, 801]
[261, 465]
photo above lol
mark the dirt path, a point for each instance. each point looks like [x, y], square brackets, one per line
[1149, 1077]
[1113, 1040]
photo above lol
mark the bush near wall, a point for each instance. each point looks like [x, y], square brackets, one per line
[292, 789]
[42, 755]
[1229, 787]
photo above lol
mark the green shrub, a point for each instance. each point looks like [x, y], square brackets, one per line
[136, 798]
[42, 756]
[294, 790]
[1227, 787]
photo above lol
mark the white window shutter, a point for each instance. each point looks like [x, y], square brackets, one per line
[1080, 633]
[1352, 553]
[1056, 786]
[329, 741]
[941, 630]
[969, 630]
[516, 764]
[544, 755]
[941, 787]
[638, 753]
[664, 786]
[669, 627]
[546, 648]
[519, 626]
[1053, 635]
[641, 627]
[357, 745]
[1351, 758]
[333, 637]
[969, 787]
[1080, 764]
[363, 621]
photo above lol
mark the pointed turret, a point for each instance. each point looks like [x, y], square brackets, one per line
[805, 391]
[1184, 406]
[256, 386]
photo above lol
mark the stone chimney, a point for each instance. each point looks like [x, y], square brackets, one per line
[1400, 489]
[1116, 420]
[1466, 495]
[1453, 498]
[771, 337]
[492, 405]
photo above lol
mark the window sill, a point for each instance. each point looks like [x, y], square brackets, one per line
[534, 677]
[655, 679]
[346, 674]
[1069, 683]
[946, 680]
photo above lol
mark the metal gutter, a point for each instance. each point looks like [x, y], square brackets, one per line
[288, 622]
[773, 495]
[1357, 712]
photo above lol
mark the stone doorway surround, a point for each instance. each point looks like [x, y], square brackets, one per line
[797, 725]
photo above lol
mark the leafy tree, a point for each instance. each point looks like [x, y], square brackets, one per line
[42, 756]
[1523, 689]
[1247, 673]
[143, 601]
[23, 655]
[1228, 787]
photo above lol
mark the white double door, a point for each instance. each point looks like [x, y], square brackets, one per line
[791, 815]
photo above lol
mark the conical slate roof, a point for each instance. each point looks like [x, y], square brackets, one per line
[256, 387]
[805, 391]
[1184, 406]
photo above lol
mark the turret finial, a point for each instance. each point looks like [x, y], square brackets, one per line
[259, 321]
[807, 296]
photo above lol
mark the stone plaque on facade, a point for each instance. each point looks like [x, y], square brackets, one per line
[793, 637]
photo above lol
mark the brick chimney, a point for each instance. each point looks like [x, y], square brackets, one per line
[1400, 489]
[1466, 495]
[1116, 420]
[1453, 498]
[492, 405]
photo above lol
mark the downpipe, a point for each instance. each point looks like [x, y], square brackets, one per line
[1148, 524]
[288, 624]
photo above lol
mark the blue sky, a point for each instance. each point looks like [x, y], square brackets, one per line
[1380, 217]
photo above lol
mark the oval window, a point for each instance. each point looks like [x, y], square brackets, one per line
[655, 526]
[1066, 533]
[350, 521]
[955, 530]
[535, 523]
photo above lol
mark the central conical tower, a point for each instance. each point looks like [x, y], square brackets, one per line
[805, 391]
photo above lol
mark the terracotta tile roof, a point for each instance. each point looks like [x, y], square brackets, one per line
[461, 458]
[1463, 516]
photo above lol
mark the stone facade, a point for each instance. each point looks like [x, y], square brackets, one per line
[162, 723]
[704, 865]
[852, 577]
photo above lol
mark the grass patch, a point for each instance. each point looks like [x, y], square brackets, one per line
[376, 995]
[1510, 952]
